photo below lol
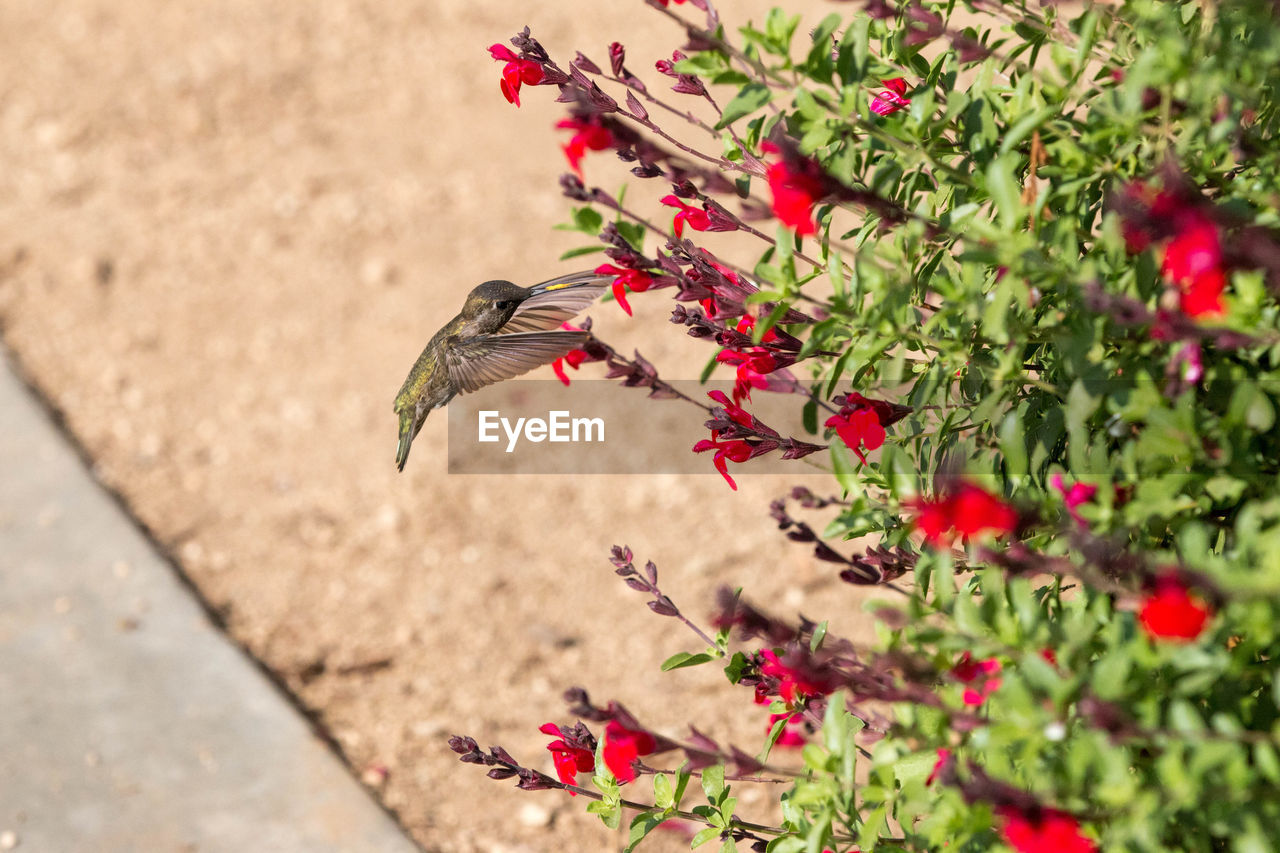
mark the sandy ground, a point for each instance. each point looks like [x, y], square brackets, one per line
[226, 230]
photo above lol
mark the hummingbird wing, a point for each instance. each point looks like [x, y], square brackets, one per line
[556, 301]
[476, 362]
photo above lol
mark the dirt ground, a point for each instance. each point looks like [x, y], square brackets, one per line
[226, 230]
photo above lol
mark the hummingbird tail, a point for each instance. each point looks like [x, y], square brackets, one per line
[407, 432]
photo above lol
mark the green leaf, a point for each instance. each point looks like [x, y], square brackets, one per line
[1004, 190]
[642, 824]
[752, 97]
[663, 796]
[704, 836]
[713, 781]
[682, 659]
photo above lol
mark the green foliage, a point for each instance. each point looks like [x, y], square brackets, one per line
[989, 287]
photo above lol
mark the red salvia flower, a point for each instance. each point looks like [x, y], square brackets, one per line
[736, 450]
[983, 674]
[1050, 831]
[515, 72]
[736, 413]
[752, 370]
[698, 220]
[1172, 613]
[858, 428]
[637, 281]
[794, 194]
[793, 681]
[573, 358]
[623, 746]
[967, 510]
[569, 760]
[588, 136]
[792, 734]
[1079, 493]
[891, 99]
[944, 758]
[1202, 295]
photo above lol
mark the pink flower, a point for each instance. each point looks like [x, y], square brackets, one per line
[637, 281]
[967, 510]
[862, 427]
[1171, 613]
[623, 747]
[515, 72]
[794, 194]
[698, 220]
[1050, 831]
[568, 760]
[1079, 493]
[891, 99]
[589, 136]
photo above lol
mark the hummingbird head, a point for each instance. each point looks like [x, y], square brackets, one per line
[490, 305]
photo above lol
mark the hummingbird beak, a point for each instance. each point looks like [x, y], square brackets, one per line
[570, 281]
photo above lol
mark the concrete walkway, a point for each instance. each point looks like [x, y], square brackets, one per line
[128, 722]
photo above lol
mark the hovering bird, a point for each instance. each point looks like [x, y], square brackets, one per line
[502, 331]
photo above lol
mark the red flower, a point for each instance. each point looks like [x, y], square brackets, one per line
[569, 760]
[698, 220]
[1078, 493]
[859, 427]
[637, 281]
[623, 746]
[967, 510]
[1171, 613]
[736, 413]
[891, 99]
[752, 369]
[573, 358]
[1051, 831]
[515, 72]
[794, 681]
[968, 671]
[736, 450]
[1202, 295]
[590, 135]
[794, 194]
[1194, 250]
[944, 758]
[792, 735]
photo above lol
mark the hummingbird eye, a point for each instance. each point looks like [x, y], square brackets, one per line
[504, 304]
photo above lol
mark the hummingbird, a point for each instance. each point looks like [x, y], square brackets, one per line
[502, 331]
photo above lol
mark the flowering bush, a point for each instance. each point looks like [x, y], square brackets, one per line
[1020, 270]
